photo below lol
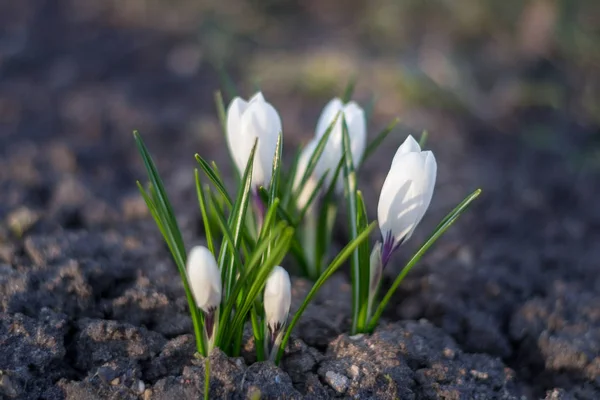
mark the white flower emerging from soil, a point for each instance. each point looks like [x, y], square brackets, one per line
[246, 121]
[204, 279]
[405, 195]
[277, 301]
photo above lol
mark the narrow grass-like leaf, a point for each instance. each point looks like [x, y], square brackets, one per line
[350, 192]
[214, 178]
[276, 171]
[228, 235]
[439, 231]
[221, 111]
[337, 262]
[349, 90]
[298, 253]
[238, 215]
[162, 212]
[375, 143]
[290, 178]
[423, 139]
[364, 254]
[369, 109]
[203, 211]
[281, 212]
[227, 82]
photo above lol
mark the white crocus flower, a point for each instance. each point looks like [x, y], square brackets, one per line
[334, 149]
[204, 279]
[246, 121]
[405, 195]
[277, 301]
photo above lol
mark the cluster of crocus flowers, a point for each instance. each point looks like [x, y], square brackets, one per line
[294, 213]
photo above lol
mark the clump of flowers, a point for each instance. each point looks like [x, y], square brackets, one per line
[239, 278]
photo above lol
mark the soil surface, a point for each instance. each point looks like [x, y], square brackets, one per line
[506, 306]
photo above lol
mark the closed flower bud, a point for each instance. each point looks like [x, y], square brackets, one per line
[334, 149]
[405, 195]
[204, 279]
[277, 298]
[247, 121]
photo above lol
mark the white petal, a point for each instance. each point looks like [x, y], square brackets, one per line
[406, 194]
[357, 130]
[258, 96]
[234, 116]
[261, 121]
[204, 278]
[410, 145]
[328, 115]
[277, 297]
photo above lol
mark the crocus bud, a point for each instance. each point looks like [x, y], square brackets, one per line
[405, 195]
[277, 298]
[204, 278]
[247, 121]
[334, 149]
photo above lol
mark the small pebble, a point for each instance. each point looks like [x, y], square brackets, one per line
[354, 371]
[479, 375]
[147, 394]
[337, 381]
[141, 387]
[115, 381]
[449, 353]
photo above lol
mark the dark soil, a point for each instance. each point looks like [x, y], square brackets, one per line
[506, 306]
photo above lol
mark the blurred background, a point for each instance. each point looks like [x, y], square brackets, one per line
[508, 90]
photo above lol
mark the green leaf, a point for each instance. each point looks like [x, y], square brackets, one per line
[281, 212]
[379, 139]
[227, 82]
[238, 215]
[214, 178]
[423, 139]
[439, 231]
[290, 177]
[221, 111]
[162, 212]
[364, 255]
[276, 171]
[337, 262]
[203, 211]
[349, 90]
[350, 192]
